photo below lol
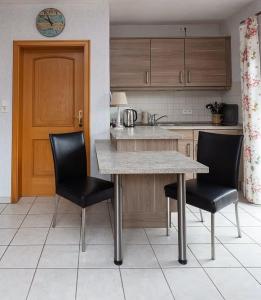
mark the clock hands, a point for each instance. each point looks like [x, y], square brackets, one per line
[47, 19]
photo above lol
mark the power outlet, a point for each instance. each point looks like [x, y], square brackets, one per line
[187, 111]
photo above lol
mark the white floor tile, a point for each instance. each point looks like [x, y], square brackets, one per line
[21, 257]
[235, 284]
[15, 283]
[65, 256]
[17, 209]
[229, 235]
[53, 284]
[98, 235]
[30, 236]
[27, 200]
[253, 232]
[97, 220]
[158, 236]
[220, 220]
[45, 199]
[191, 284]
[63, 236]
[198, 235]
[134, 236]
[68, 207]
[97, 256]
[99, 208]
[99, 285]
[6, 236]
[37, 220]
[11, 221]
[2, 250]
[256, 272]
[145, 285]
[42, 208]
[167, 256]
[223, 257]
[248, 254]
[139, 256]
[244, 218]
[68, 220]
[191, 219]
[2, 207]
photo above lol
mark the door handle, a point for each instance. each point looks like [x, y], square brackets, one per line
[188, 149]
[80, 118]
[181, 78]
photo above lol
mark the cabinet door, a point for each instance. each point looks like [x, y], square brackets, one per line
[186, 147]
[206, 62]
[130, 62]
[167, 62]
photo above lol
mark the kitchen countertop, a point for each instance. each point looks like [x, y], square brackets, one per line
[200, 126]
[144, 133]
[111, 161]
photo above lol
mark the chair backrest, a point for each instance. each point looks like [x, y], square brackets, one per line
[221, 153]
[69, 156]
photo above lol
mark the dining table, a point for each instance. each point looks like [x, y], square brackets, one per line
[116, 163]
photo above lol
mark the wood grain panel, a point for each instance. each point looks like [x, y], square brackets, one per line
[146, 145]
[54, 86]
[186, 147]
[42, 148]
[130, 62]
[167, 62]
[206, 62]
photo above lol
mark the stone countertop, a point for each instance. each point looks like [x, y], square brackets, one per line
[144, 133]
[111, 161]
[200, 126]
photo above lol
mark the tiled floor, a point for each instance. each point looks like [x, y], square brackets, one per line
[39, 262]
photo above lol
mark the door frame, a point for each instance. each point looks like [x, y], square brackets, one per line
[18, 50]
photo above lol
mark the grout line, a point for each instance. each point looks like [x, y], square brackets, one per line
[122, 285]
[159, 265]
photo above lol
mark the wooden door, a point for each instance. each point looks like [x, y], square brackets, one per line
[52, 100]
[206, 62]
[167, 62]
[130, 62]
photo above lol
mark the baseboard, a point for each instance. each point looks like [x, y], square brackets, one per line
[5, 199]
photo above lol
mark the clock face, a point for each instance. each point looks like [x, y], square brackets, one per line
[50, 22]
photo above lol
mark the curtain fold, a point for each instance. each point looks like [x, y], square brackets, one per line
[251, 104]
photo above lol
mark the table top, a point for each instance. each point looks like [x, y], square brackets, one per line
[111, 161]
[144, 133]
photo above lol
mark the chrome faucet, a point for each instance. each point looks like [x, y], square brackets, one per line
[153, 120]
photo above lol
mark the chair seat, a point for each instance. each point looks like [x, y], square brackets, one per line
[85, 191]
[206, 196]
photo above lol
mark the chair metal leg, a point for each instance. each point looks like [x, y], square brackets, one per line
[237, 220]
[168, 217]
[201, 215]
[213, 256]
[83, 229]
[55, 211]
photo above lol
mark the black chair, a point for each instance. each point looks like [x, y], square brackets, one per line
[218, 188]
[71, 180]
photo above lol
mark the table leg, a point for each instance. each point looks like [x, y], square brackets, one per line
[117, 221]
[182, 219]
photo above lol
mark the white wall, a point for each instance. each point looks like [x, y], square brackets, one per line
[170, 103]
[87, 21]
[231, 27]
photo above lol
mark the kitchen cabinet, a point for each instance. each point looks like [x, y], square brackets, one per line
[206, 62]
[167, 62]
[186, 148]
[130, 62]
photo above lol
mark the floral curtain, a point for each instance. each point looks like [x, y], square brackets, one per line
[251, 103]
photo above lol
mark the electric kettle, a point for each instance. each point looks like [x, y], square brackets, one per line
[129, 117]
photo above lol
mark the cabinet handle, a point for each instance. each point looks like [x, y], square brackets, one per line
[188, 149]
[181, 78]
[188, 77]
[147, 77]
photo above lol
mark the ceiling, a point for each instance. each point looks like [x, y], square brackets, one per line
[173, 11]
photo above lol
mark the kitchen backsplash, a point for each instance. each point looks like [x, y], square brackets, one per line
[174, 104]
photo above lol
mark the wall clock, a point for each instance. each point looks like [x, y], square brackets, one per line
[50, 22]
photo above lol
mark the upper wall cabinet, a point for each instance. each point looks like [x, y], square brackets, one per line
[207, 62]
[181, 63]
[167, 62]
[130, 62]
